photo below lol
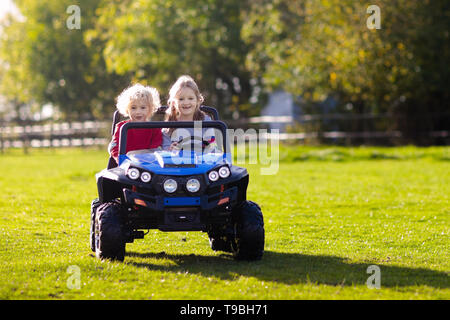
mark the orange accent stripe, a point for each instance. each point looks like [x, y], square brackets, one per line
[140, 202]
[222, 201]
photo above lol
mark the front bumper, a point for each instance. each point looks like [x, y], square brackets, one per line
[179, 213]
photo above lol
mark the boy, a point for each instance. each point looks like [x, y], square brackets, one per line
[139, 103]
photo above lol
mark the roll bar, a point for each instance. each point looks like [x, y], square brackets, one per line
[162, 110]
[170, 124]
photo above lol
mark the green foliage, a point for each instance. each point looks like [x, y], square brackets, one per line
[234, 49]
[159, 40]
[48, 62]
[320, 48]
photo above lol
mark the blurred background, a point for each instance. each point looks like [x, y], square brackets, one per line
[316, 70]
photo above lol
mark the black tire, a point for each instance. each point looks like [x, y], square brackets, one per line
[249, 241]
[109, 236]
[220, 238]
[223, 243]
[94, 205]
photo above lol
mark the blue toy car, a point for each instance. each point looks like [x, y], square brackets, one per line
[195, 188]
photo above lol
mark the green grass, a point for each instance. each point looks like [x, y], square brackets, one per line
[329, 214]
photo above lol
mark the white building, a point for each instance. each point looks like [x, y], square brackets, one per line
[280, 110]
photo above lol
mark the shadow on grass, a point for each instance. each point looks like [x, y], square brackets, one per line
[291, 268]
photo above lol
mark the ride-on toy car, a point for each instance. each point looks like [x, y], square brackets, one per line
[195, 188]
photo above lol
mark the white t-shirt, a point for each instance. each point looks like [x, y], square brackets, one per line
[180, 133]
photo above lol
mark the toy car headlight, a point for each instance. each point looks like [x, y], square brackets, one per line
[193, 185]
[213, 176]
[146, 176]
[224, 172]
[133, 173]
[170, 185]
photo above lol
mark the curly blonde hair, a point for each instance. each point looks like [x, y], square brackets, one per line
[138, 92]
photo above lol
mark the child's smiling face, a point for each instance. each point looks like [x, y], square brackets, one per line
[139, 111]
[186, 102]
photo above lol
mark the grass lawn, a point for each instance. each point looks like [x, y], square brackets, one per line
[329, 213]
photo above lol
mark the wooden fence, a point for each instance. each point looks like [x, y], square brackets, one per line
[74, 134]
[356, 129]
[341, 129]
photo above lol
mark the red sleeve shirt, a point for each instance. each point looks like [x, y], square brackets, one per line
[136, 139]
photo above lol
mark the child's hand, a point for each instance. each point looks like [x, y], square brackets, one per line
[174, 145]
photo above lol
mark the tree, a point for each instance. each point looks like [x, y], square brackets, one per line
[320, 48]
[159, 40]
[46, 62]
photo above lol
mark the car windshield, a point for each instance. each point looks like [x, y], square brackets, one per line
[198, 139]
[205, 139]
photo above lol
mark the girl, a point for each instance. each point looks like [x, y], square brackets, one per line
[184, 104]
[139, 103]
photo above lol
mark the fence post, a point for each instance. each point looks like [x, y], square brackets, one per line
[25, 139]
[51, 134]
[1, 137]
[83, 129]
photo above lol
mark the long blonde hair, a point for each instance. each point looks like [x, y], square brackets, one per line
[184, 82]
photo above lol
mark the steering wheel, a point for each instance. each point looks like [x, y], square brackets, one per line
[192, 141]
